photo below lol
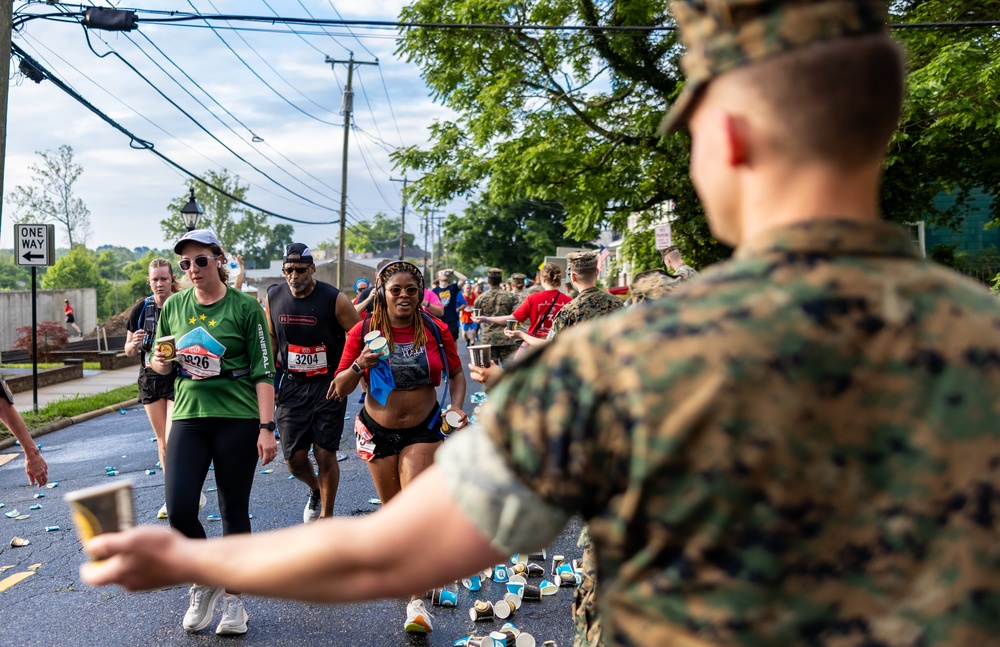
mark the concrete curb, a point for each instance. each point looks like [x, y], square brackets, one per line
[68, 422]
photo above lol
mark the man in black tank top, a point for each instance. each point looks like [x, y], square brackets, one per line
[308, 320]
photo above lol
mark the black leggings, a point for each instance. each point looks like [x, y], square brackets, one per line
[195, 444]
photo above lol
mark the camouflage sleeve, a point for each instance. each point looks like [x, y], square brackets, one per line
[558, 323]
[481, 483]
[556, 422]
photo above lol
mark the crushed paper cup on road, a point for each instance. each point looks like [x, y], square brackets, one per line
[473, 583]
[517, 588]
[102, 508]
[503, 609]
[39, 495]
[557, 561]
[444, 598]
[19, 542]
[513, 599]
[214, 517]
[548, 588]
[52, 484]
[21, 517]
[533, 592]
[481, 611]
[500, 573]
[37, 506]
[12, 514]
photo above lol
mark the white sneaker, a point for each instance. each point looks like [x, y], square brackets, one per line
[162, 514]
[202, 607]
[234, 617]
[313, 505]
[418, 618]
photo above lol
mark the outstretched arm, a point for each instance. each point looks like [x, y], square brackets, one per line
[386, 554]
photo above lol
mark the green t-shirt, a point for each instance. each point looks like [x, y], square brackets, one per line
[223, 352]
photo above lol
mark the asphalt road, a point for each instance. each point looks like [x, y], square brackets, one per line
[52, 607]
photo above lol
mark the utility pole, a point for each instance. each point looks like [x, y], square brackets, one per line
[428, 217]
[348, 107]
[6, 18]
[402, 217]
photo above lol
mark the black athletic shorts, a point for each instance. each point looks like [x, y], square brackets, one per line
[375, 441]
[153, 386]
[453, 329]
[305, 417]
[70, 319]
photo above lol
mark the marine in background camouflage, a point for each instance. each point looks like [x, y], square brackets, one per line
[799, 448]
[497, 303]
[591, 303]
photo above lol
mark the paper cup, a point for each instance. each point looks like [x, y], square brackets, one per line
[379, 346]
[454, 420]
[536, 570]
[518, 579]
[536, 556]
[567, 579]
[166, 346]
[557, 561]
[516, 588]
[102, 508]
[473, 583]
[503, 609]
[481, 611]
[547, 587]
[533, 592]
[500, 573]
[513, 599]
[444, 598]
[480, 355]
[372, 336]
[524, 640]
[511, 324]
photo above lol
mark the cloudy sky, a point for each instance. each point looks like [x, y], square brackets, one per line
[298, 117]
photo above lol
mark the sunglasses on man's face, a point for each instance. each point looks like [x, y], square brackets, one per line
[290, 269]
[408, 291]
[200, 261]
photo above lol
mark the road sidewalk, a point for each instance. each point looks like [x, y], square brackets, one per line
[91, 383]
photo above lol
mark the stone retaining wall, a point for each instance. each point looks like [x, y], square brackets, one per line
[46, 377]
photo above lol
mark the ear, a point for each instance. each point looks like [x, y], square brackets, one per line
[736, 136]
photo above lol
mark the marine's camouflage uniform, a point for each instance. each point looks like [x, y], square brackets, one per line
[650, 286]
[685, 273]
[589, 304]
[497, 303]
[800, 448]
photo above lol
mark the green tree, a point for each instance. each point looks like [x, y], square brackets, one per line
[14, 276]
[564, 117]
[571, 117]
[241, 230]
[50, 198]
[78, 269]
[947, 140]
[376, 235]
[514, 236]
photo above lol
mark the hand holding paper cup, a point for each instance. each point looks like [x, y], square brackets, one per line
[380, 347]
[102, 508]
[480, 355]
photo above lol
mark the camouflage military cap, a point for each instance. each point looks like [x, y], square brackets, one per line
[722, 35]
[517, 277]
[581, 261]
[672, 248]
[494, 272]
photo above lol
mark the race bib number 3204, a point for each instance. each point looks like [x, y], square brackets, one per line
[309, 360]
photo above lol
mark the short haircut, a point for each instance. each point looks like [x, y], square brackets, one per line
[835, 101]
[588, 274]
[494, 280]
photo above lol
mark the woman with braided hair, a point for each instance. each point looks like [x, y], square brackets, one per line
[398, 437]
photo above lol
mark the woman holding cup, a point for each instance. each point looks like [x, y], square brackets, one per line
[224, 406]
[398, 432]
[539, 308]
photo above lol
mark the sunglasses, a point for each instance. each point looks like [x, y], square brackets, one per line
[409, 291]
[200, 261]
[295, 270]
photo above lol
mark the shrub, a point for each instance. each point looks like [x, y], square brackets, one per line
[52, 336]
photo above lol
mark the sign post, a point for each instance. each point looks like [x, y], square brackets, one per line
[34, 246]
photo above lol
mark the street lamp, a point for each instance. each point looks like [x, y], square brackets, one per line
[191, 213]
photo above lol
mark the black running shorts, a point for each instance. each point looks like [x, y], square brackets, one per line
[153, 386]
[305, 417]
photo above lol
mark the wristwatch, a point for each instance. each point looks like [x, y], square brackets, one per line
[357, 369]
[268, 425]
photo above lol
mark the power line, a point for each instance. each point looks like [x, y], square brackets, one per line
[198, 123]
[255, 138]
[262, 80]
[138, 143]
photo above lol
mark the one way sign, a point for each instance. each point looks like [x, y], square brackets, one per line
[35, 244]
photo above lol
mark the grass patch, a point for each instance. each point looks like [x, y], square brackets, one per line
[69, 407]
[87, 366]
